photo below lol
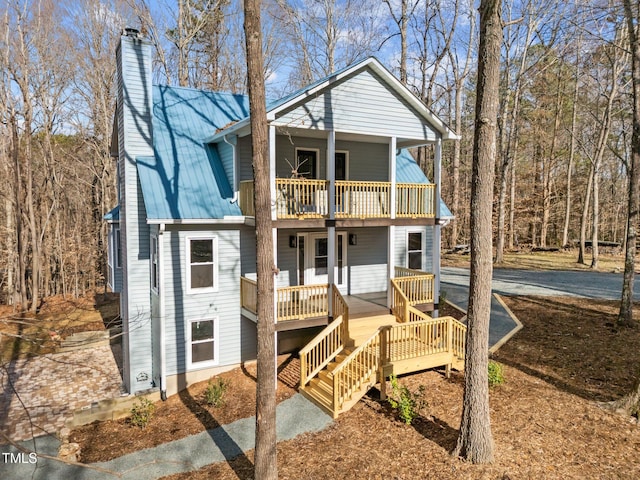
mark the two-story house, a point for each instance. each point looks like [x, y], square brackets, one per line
[356, 223]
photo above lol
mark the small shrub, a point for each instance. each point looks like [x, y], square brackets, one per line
[214, 393]
[496, 376]
[142, 412]
[407, 403]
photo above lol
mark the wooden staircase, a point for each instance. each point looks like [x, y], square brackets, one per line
[349, 357]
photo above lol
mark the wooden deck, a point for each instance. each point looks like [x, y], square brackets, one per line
[350, 356]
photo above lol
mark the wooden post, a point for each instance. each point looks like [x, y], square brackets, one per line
[384, 360]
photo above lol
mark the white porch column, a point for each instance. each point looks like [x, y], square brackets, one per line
[331, 263]
[392, 176]
[331, 229]
[272, 170]
[331, 173]
[274, 232]
[391, 262]
[437, 165]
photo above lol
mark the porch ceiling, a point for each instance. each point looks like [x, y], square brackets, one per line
[351, 137]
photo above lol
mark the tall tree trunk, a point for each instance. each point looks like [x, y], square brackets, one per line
[512, 208]
[572, 154]
[475, 442]
[584, 218]
[625, 316]
[266, 466]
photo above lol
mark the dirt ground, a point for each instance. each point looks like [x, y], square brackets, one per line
[546, 420]
[26, 334]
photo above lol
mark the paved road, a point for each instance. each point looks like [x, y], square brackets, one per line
[455, 284]
[561, 283]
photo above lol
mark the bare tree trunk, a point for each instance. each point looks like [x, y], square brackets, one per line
[625, 316]
[512, 208]
[475, 442]
[266, 466]
[572, 151]
[584, 218]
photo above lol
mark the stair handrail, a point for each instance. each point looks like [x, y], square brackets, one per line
[458, 338]
[323, 348]
[340, 307]
[400, 305]
[345, 383]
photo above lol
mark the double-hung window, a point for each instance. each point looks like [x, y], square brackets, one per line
[414, 250]
[202, 264]
[202, 347]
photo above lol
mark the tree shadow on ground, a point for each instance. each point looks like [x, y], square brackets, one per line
[431, 428]
[573, 344]
[233, 454]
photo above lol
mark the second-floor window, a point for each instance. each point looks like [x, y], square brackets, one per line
[202, 258]
[307, 163]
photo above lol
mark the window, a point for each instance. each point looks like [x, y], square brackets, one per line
[307, 163]
[342, 165]
[320, 260]
[118, 248]
[154, 263]
[202, 259]
[202, 346]
[414, 250]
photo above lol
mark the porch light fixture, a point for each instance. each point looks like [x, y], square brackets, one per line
[353, 239]
[293, 241]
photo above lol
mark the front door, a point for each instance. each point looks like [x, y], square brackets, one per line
[313, 251]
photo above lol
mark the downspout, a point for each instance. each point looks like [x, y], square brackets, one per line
[234, 146]
[163, 349]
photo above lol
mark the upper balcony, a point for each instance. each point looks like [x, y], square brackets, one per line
[299, 198]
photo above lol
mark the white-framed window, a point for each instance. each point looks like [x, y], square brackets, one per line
[202, 264]
[154, 263]
[117, 248]
[308, 162]
[415, 249]
[202, 343]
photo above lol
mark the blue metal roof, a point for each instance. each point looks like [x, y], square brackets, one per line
[113, 215]
[185, 178]
[408, 171]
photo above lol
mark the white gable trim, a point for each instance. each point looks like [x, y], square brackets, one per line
[380, 70]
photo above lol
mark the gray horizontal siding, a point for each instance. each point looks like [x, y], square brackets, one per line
[244, 158]
[401, 246]
[367, 261]
[181, 306]
[225, 151]
[362, 104]
[135, 139]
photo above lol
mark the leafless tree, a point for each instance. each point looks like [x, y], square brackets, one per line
[266, 466]
[475, 442]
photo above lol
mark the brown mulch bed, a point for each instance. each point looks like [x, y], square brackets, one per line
[546, 421]
[184, 414]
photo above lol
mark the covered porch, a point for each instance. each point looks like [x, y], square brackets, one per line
[314, 305]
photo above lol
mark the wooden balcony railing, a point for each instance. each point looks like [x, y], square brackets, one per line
[302, 198]
[417, 286]
[249, 294]
[362, 199]
[305, 301]
[246, 198]
[415, 200]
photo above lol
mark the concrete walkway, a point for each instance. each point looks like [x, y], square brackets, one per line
[295, 416]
